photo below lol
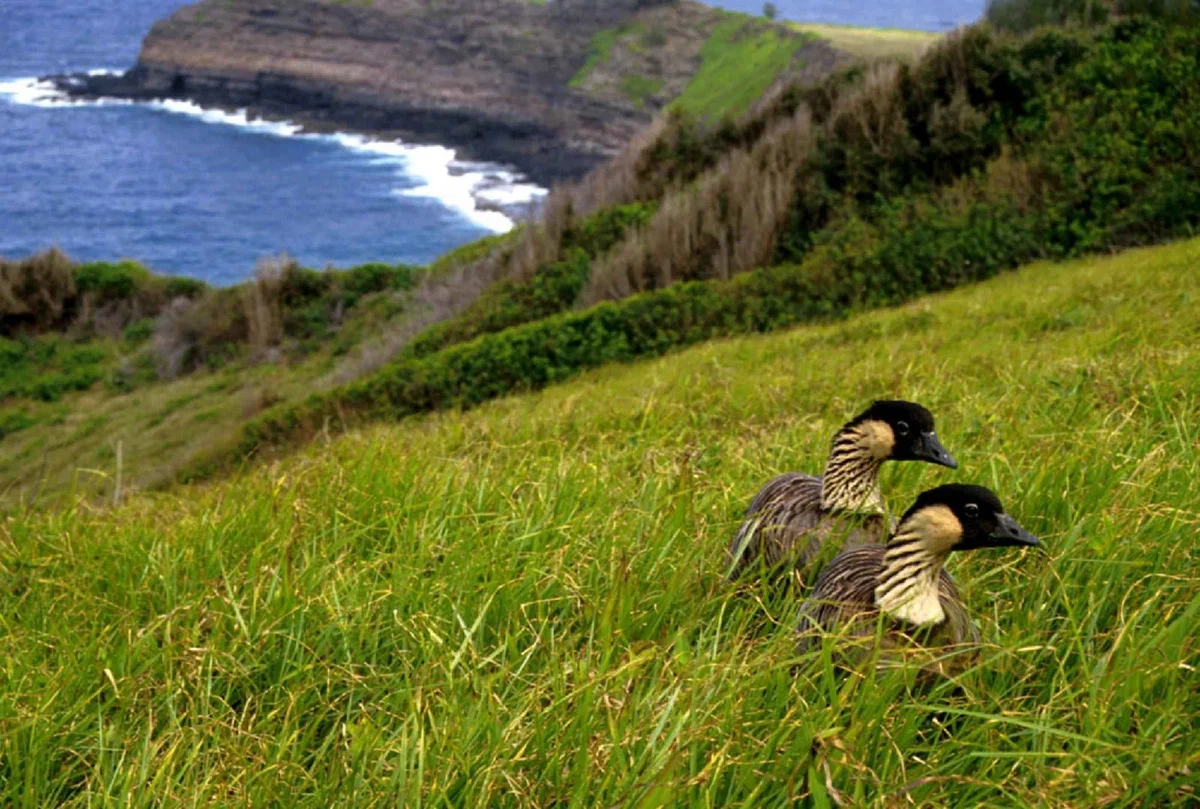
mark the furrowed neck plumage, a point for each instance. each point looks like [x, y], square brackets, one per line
[851, 478]
[912, 563]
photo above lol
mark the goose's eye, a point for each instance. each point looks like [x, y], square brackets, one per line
[902, 428]
[971, 510]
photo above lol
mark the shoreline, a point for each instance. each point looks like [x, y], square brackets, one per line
[532, 150]
[495, 196]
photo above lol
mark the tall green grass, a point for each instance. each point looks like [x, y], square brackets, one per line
[738, 63]
[522, 605]
[598, 53]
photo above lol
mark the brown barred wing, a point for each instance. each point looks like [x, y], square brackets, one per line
[786, 524]
[843, 602]
[784, 509]
[843, 595]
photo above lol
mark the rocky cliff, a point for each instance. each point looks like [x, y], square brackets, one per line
[513, 81]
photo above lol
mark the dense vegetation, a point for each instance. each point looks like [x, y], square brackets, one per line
[522, 605]
[1024, 15]
[61, 323]
[988, 153]
[88, 353]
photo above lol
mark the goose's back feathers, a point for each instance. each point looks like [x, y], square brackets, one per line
[786, 522]
[843, 600]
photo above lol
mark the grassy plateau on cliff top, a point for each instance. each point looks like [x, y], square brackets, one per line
[522, 605]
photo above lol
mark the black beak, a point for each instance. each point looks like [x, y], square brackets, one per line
[1009, 532]
[928, 448]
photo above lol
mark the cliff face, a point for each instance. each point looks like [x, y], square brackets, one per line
[553, 89]
[489, 77]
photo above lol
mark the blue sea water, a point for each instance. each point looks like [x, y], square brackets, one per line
[929, 15]
[194, 192]
[207, 194]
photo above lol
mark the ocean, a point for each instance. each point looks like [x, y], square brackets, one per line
[930, 15]
[207, 194]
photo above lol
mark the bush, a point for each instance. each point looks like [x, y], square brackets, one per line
[1117, 140]
[286, 307]
[553, 288]
[205, 332]
[11, 422]
[139, 332]
[1025, 15]
[108, 281]
[923, 244]
[46, 368]
[197, 325]
[1173, 11]
[47, 292]
[746, 194]
[36, 293]
[51, 387]
[180, 286]
[376, 277]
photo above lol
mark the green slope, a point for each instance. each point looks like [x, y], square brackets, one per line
[521, 605]
[738, 62]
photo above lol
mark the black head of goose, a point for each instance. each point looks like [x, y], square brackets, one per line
[793, 515]
[905, 581]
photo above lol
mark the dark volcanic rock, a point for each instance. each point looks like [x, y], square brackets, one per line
[490, 78]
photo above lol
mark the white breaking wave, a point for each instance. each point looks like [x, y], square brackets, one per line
[34, 93]
[283, 129]
[459, 185]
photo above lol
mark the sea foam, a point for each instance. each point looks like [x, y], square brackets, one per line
[478, 191]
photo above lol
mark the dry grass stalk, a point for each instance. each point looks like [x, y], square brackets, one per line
[36, 291]
[873, 114]
[727, 223]
[264, 311]
[434, 300]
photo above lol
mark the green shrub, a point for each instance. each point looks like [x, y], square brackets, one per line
[1024, 15]
[51, 387]
[920, 245]
[45, 368]
[82, 356]
[14, 421]
[1174, 11]
[377, 277]
[1117, 140]
[139, 332]
[11, 353]
[110, 281]
[180, 286]
[552, 289]
[47, 292]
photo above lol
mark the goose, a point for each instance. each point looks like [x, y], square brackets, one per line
[794, 515]
[904, 582]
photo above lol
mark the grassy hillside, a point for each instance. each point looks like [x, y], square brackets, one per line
[870, 43]
[521, 605]
[689, 56]
[108, 371]
[738, 62]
